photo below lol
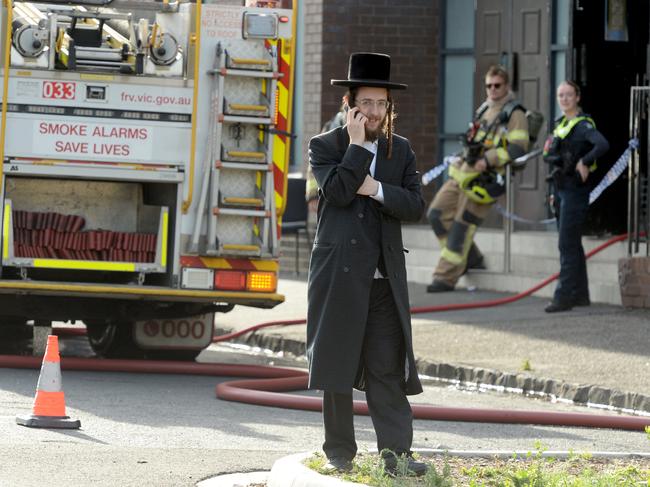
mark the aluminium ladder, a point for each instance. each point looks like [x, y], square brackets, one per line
[238, 187]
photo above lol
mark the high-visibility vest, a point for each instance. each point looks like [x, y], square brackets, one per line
[564, 128]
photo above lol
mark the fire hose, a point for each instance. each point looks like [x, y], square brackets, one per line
[270, 383]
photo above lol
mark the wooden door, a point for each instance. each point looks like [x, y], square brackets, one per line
[530, 70]
[514, 33]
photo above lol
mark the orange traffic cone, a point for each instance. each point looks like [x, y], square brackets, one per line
[49, 404]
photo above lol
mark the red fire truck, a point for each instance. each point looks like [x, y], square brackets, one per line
[145, 149]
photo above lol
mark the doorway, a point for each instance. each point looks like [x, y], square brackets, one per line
[609, 55]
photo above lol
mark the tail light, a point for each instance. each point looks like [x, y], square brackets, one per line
[230, 280]
[261, 281]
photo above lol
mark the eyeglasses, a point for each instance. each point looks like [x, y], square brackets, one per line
[496, 86]
[367, 103]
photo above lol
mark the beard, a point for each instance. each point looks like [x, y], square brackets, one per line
[373, 134]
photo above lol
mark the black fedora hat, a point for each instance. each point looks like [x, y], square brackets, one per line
[369, 69]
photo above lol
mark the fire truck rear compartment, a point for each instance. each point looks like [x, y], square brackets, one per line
[107, 232]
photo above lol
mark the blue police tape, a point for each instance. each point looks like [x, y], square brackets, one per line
[615, 171]
[436, 171]
[516, 218]
[612, 175]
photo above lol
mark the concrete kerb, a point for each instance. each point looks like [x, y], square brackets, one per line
[585, 394]
[235, 480]
[290, 471]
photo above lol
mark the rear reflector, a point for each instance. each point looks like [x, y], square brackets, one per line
[230, 280]
[261, 281]
[196, 278]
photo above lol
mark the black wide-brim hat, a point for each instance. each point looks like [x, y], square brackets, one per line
[369, 69]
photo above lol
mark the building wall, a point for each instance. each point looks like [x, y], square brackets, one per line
[313, 46]
[406, 30]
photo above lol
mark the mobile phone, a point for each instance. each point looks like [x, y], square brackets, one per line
[348, 106]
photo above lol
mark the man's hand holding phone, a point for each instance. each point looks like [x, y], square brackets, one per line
[356, 122]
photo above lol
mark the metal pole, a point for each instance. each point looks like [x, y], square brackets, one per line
[507, 223]
[646, 196]
[630, 171]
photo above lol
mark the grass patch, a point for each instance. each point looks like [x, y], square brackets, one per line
[533, 470]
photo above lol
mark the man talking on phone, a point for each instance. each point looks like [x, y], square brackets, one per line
[358, 320]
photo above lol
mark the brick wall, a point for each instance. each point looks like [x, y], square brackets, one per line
[408, 32]
[634, 280]
[312, 45]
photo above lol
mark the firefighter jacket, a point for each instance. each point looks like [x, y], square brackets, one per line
[501, 140]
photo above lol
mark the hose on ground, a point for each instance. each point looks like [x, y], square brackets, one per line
[270, 384]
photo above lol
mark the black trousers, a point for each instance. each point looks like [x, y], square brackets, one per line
[383, 358]
[573, 204]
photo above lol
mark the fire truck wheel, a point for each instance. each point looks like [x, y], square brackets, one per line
[14, 328]
[113, 340]
[15, 335]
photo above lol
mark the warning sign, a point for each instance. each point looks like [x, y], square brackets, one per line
[221, 21]
[82, 139]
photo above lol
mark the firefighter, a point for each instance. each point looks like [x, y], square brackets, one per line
[498, 134]
[571, 152]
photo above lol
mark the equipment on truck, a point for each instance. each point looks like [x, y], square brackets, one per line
[115, 114]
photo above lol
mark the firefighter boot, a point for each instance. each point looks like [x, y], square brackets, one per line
[438, 286]
[474, 259]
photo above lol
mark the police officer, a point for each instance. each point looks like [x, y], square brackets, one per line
[571, 152]
[496, 137]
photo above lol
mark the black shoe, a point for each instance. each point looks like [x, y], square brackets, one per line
[439, 287]
[555, 306]
[393, 466]
[338, 464]
[581, 302]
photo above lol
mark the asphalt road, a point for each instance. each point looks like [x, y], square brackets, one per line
[155, 430]
[141, 429]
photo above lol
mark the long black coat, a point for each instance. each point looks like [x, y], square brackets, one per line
[352, 232]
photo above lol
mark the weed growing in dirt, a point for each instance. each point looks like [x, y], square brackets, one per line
[533, 470]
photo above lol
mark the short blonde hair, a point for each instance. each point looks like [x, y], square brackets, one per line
[498, 70]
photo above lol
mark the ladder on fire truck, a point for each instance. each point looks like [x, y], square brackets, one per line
[237, 190]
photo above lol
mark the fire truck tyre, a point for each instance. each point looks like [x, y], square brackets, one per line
[15, 335]
[12, 327]
[113, 340]
[179, 355]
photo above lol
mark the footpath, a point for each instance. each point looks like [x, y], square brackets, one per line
[598, 354]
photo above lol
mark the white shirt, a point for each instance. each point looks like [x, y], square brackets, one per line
[372, 147]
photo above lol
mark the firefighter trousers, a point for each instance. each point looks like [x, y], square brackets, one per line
[454, 219]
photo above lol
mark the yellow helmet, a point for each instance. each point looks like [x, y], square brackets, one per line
[484, 188]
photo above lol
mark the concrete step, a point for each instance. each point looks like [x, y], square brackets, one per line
[288, 255]
[519, 264]
[534, 257]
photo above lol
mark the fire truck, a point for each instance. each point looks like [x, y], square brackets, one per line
[145, 150]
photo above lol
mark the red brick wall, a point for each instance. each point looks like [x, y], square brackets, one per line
[406, 30]
[634, 280]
